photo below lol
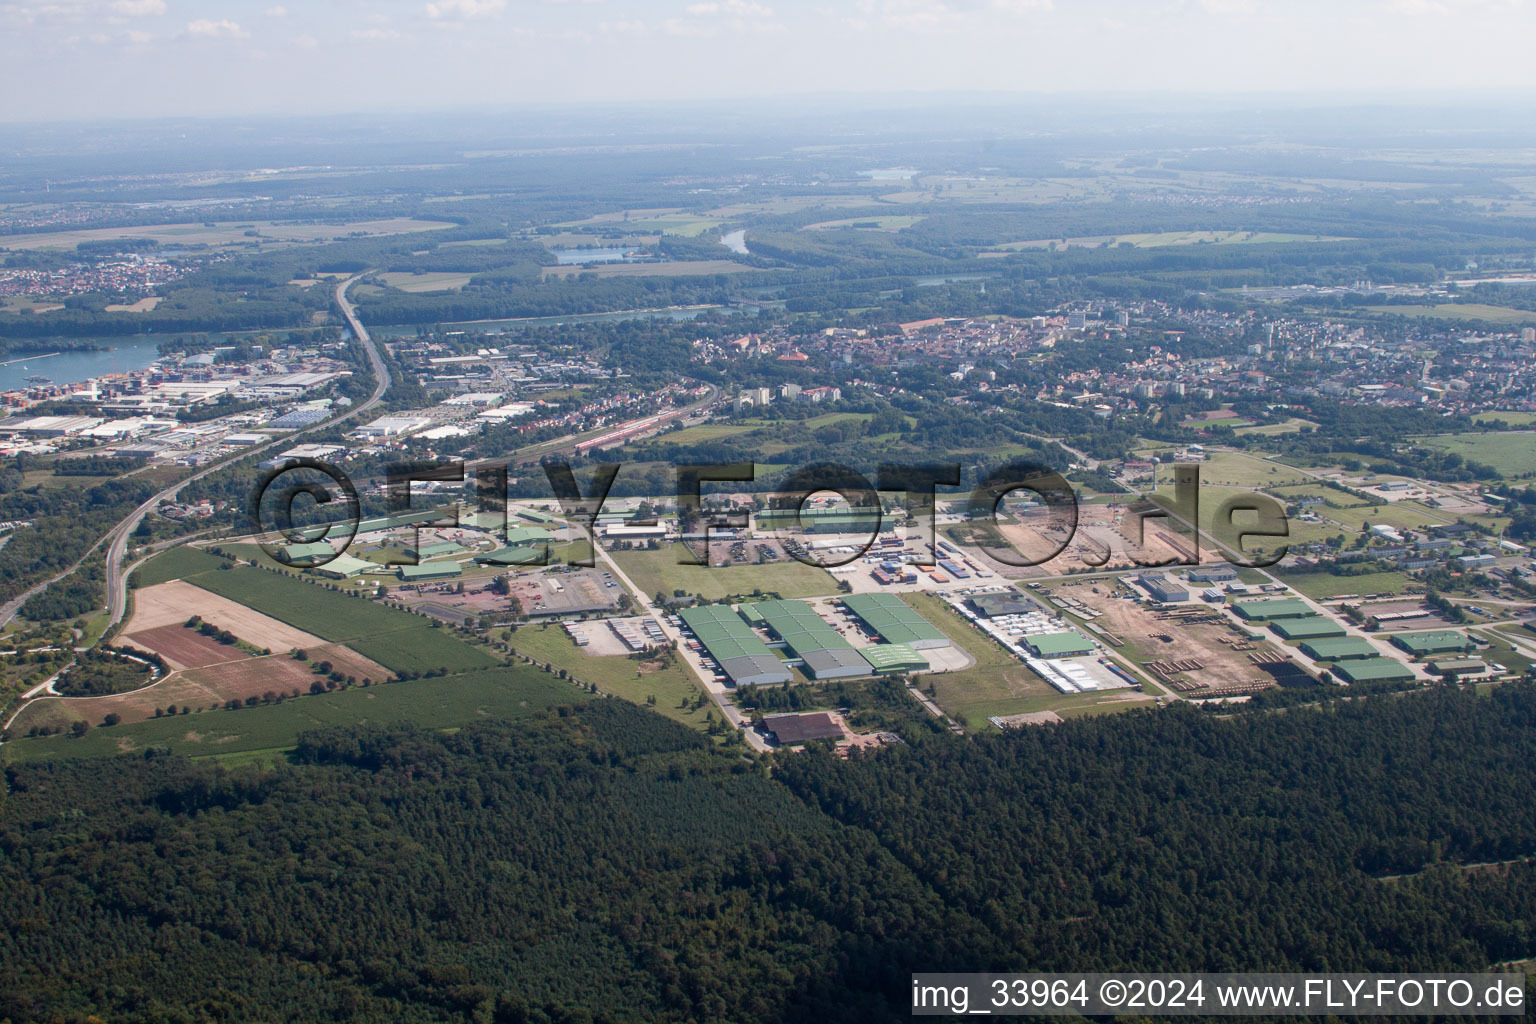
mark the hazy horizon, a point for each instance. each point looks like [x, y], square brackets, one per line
[112, 59]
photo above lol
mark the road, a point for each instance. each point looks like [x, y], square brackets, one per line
[117, 538]
[716, 692]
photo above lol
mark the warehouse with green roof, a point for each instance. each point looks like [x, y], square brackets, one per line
[306, 554]
[888, 658]
[1309, 627]
[1424, 645]
[344, 567]
[1067, 644]
[895, 622]
[743, 657]
[423, 573]
[1373, 670]
[1344, 648]
[815, 642]
[1275, 608]
[435, 550]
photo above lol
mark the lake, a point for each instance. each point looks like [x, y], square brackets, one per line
[117, 355]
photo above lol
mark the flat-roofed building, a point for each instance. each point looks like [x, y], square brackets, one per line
[789, 730]
[810, 638]
[1066, 644]
[1309, 627]
[1373, 670]
[436, 571]
[344, 567]
[1343, 648]
[1274, 608]
[741, 654]
[895, 622]
[1424, 645]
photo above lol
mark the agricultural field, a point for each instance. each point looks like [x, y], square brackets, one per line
[442, 281]
[702, 432]
[678, 268]
[1321, 586]
[173, 603]
[1514, 419]
[658, 572]
[1233, 469]
[674, 687]
[228, 234]
[881, 223]
[502, 692]
[1165, 238]
[1460, 311]
[398, 640]
[1511, 452]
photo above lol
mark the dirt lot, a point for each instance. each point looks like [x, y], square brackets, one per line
[166, 604]
[184, 648]
[205, 687]
[1100, 529]
[1210, 643]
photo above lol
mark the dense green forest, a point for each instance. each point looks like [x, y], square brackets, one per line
[604, 864]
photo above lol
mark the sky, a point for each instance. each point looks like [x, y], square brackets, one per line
[92, 59]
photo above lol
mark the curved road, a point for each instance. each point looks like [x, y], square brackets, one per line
[117, 538]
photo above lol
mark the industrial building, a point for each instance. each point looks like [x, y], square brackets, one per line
[886, 659]
[992, 606]
[1212, 574]
[1424, 645]
[305, 554]
[1067, 644]
[344, 567]
[423, 573]
[741, 653]
[894, 622]
[1163, 589]
[824, 520]
[791, 729]
[1273, 608]
[1309, 627]
[812, 640]
[426, 551]
[1373, 670]
[1344, 648]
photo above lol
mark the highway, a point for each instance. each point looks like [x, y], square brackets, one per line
[117, 538]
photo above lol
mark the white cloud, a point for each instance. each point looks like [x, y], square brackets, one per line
[137, 38]
[139, 8]
[460, 9]
[374, 33]
[306, 42]
[623, 28]
[276, 12]
[215, 29]
[1229, 7]
[731, 8]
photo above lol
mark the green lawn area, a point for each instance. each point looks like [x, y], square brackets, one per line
[1514, 419]
[1511, 452]
[658, 572]
[673, 687]
[704, 432]
[502, 692]
[396, 639]
[438, 281]
[998, 684]
[1503, 652]
[1461, 311]
[1320, 585]
[1232, 469]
